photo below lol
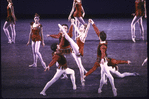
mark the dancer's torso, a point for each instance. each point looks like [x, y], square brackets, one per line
[35, 32]
[139, 6]
[78, 12]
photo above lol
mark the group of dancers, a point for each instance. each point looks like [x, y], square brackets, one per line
[67, 45]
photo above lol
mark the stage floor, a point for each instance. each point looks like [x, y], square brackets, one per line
[20, 81]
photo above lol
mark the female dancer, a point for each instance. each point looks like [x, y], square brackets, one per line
[78, 13]
[140, 6]
[62, 68]
[10, 21]
[36, 34]
[82, 34]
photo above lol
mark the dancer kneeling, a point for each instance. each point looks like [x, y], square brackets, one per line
[59, 57]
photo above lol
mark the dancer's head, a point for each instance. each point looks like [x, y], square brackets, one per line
[102, 36]
[65, 26]
[36, 18]
[9, 1]
[77, 0]
[55, 48]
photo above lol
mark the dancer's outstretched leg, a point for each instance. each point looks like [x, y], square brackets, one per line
[57, 75]
[116, 73]
[72, 43]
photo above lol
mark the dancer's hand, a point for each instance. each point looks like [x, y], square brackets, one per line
[91, 21]
[145, 16]
[47, 68]
[129, 62]
[48, 35]
[28, 43]
[83, 15]
[133, 14]
[69, 18]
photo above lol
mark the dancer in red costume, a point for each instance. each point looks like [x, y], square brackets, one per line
[36, 35]
[82, 34]
[140, 6]
[10, 21]
[62, 68]
[78, 14]
[65, 48]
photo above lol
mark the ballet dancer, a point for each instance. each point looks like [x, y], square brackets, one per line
[62, 68]
[10, 21]
[82, 34]
[65, 48]
[36, 35]
[101, 55]
[114, 71]
[140, 7]
[77, 48]
[77, 6]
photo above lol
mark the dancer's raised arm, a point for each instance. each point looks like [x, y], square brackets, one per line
[72, 10]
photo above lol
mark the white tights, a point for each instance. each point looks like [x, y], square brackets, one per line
[13, 32]
[57, 75]
[133, 23]
[36, 53]
[105, 72]
[116, 73]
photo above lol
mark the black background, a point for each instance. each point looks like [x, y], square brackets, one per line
[62, 8]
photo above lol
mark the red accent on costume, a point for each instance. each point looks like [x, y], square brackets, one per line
[81, 46]
[63, 43]
[60, 59]
[139, 8]
[35, 33]
[78, 12]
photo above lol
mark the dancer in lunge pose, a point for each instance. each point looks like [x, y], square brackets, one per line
[62, 68]
[10, 21]
[79, 12]
[36, 35]
[65, 48]
[140, 7]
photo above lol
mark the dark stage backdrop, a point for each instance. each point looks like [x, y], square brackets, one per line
[62, 8]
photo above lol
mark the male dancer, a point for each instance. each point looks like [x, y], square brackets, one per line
[101, 58]
[62, 68]
[140, 7]
[66, 48]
